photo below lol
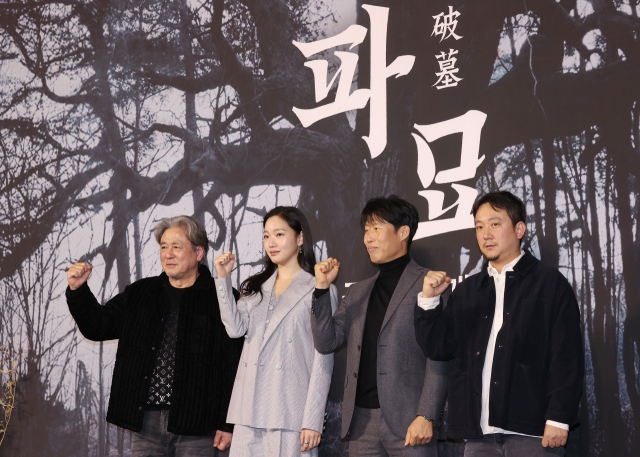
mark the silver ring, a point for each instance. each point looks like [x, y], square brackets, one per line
[306, 442]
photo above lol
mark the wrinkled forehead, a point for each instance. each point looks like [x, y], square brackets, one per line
[174, 234]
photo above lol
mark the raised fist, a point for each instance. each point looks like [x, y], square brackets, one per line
[224, 264]
[78, 273]
[326, 272]
[435, 282]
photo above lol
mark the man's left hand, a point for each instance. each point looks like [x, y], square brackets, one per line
[222, 440]
[419, 432]
[554, 436]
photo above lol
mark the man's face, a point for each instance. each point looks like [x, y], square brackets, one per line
[179, 260]
[383, 242]
[498, 239]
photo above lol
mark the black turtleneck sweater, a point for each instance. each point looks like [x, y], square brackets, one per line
[385, 285]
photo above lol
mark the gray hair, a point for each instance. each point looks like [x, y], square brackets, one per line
[193, 228]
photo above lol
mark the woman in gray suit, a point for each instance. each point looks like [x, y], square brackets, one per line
[281, 387]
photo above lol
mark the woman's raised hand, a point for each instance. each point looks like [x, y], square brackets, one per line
[224, 264]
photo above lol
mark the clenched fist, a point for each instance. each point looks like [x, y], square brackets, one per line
[326, 272]
[78, 273]
[435, 282]
[554, 436]
[224, 264]
[419, 432]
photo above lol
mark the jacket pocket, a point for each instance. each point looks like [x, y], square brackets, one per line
[527, 396]
[458, 400]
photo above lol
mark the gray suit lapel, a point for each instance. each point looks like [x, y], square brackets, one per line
[360, 305]
[409, 277]
[299, 287]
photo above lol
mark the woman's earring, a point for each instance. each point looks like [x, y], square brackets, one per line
[300, 249]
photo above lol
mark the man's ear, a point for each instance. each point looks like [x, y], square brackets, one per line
[199, 253]
[404, 232]
[521, 229]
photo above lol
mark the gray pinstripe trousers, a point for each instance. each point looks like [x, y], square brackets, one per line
[261, 442]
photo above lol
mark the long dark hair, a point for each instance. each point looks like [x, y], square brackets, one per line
[306, 259]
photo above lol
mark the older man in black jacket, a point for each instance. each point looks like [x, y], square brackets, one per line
[175, 363]
[513, 332]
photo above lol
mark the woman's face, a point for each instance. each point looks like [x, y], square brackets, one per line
[281, 243]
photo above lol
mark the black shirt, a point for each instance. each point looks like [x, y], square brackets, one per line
[385, 285]
[161, 379]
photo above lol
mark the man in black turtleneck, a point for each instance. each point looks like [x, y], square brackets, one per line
[367, 389]
[393, 394]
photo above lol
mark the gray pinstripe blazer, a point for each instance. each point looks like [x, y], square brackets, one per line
[282, 381]
[409, 384]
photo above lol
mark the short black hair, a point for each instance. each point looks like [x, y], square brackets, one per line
[394, 210]
[503, 200]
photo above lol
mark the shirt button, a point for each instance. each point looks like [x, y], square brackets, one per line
[355, 375]
[358, 347]
[270, 307]
[288, 340]
[220, 288]
[224, 300]
[279, 367]
[477, 353]
[495, 383]
[153, 348]
[267, 321]
[485, 316]
[500, 346]
[244, 364]
[140, 408]
[146, 377]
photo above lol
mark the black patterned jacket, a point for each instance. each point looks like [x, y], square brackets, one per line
[206, 358]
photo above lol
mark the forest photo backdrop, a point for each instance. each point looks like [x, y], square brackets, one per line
[116, 113]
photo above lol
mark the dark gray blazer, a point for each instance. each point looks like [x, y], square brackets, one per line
[409, 384]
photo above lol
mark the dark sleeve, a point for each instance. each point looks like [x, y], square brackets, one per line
[96, 322]
[329, 331]
[435, 332]
[320, 292]
[226, 428]
[566, 363]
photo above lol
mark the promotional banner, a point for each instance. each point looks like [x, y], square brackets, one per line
[116, 113]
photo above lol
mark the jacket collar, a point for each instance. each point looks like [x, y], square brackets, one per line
[523, 268]
[202, 281]
[302, 284]
[410, 275]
